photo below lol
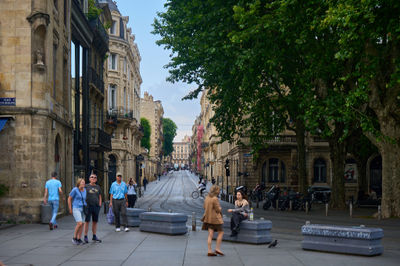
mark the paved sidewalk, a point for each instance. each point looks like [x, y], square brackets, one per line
[35, 244]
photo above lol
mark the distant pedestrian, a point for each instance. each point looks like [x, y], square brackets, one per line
[76, 203]
[212, 220]
[213, 180]
[159, 177]
[240, 213]
[145, 183]
[131, 193]
[93, 200]
[119, 201]
[53, 191]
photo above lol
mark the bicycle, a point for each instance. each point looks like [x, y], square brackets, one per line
[196, 194]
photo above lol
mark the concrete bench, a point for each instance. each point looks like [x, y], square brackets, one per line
[342, 239]
[163, 222]
[132, 215]
[252, 232]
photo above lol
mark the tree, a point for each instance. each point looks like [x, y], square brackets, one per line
[369, 37]
[169, 131]
[145, 142]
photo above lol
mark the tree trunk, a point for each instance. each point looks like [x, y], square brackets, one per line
[301, 157]
[390, 179]
[337, 154]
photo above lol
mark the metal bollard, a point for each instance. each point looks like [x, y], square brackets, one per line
[326, 209]
[169, 210]
[277, 205]
[149, 209]
[307, 222]
[351, 209]
[379, 212]
[290, 205]
[193, 221]
[257, 203]
[307, 207]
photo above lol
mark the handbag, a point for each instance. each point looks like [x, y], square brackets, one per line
[85, 207]
[110, 216]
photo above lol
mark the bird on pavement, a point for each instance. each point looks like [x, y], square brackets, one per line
[273, 244]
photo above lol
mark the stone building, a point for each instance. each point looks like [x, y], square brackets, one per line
[123, 99]
[277, 163]
[153, 111]
[181, 152]
[47, 124]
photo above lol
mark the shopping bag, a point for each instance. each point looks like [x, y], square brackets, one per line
[110, 216]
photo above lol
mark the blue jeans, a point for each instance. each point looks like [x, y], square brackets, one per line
[54, 205]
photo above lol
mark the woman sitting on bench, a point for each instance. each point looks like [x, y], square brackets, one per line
[240, 213]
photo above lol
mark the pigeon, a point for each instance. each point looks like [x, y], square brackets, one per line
[273, 244]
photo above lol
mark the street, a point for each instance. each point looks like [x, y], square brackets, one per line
[34, 244]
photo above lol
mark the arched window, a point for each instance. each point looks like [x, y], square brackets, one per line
[319, 171]
[274, 170]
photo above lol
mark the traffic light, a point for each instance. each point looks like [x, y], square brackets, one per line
[227, 172]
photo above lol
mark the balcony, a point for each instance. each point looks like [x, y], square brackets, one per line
[96, 80]
[99, 140]
[283, 139]
[100, 35]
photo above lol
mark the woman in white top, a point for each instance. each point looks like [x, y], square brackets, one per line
[131, 193]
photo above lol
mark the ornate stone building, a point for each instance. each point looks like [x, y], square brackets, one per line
[46, 113]
[153, 111]
[277, 163]
[181, 152]
[123, 99]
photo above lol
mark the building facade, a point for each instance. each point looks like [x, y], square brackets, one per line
[153, 112]
[123, 99]
[277, 163]
[181, 153]
[46, 124]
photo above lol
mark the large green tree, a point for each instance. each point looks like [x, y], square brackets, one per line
[369, 38]
[169, 132]
[145, 142]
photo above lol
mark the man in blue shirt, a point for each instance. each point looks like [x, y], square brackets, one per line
[119, 202]
[53, 190]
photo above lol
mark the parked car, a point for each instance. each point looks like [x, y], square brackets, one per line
[320, 194]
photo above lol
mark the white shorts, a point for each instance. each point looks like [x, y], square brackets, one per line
[78, 214]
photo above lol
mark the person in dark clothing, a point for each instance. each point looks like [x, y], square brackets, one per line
[213, 181]
[131, 193]
[93, 200]
[240, 212]
[145, 183]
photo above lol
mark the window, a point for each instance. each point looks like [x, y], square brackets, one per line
[273, 170]
[54, 70]
[125, 65]
[113, 62]
[125, 101]
[113, 28]
[112, 97]
[319, 171]
[65, 11]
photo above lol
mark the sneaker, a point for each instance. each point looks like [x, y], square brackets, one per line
[126, 229]
[86, 239]
[74, 241]
[80, 242]
[117, 229]
[51, 226]
[95, 239]
[55, 226]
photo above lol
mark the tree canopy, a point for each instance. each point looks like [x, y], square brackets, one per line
[145, 142]
[328, 67]
[169, 132]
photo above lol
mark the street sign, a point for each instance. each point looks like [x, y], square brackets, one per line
[7, 101]
[247, 155]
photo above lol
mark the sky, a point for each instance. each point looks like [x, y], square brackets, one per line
[141, 15]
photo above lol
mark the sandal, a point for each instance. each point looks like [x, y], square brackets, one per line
[219, 253]
[211, 254]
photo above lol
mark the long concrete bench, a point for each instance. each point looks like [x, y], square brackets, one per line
[343, 239]
[132, 215]
[253, 232]
[163, 222]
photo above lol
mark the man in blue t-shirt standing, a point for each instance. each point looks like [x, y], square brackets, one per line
[119, 202]
[53, 191]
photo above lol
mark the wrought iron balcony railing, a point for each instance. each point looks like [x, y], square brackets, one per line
[100, 140]
[96, 80]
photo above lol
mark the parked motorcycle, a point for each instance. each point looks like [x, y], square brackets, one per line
[271, 196]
